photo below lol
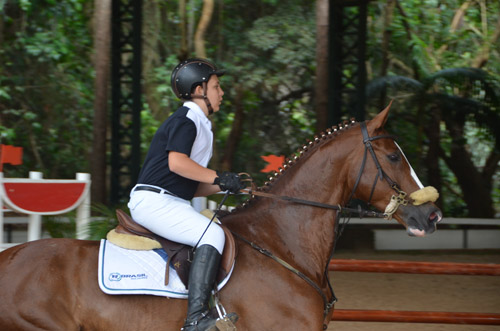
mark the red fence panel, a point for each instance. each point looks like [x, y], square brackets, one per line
[415, 317]
[410, 267]
[441, 268]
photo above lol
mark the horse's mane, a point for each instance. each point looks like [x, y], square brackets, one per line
[301, 153]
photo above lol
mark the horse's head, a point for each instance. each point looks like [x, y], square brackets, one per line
[387, 180]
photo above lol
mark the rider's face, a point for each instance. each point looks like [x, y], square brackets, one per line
[214, 92]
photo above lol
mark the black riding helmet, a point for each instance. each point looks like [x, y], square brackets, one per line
[191, 73]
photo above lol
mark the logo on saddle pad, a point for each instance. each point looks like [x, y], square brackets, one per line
[116, 276]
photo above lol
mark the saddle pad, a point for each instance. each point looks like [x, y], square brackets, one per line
[125, 271]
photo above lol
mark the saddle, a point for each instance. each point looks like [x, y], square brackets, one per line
[131, 235]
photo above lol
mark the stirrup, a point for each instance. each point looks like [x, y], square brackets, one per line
[227, 323]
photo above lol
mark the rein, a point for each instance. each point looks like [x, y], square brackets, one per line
[328, 304]
[359, 211]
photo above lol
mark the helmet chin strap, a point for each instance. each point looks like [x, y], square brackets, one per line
[204, 97]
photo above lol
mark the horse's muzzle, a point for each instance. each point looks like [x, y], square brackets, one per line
[418, 226]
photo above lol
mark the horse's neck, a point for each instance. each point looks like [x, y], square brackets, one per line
[302, 235]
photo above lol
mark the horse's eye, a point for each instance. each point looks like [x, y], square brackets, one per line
[394, 157]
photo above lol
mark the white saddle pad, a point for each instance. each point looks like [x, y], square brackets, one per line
[125, 271]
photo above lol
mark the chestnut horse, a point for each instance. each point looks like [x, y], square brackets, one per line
[51, 284]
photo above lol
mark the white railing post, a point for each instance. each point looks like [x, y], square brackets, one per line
[212, 205]
[199, 203]
[35, 221]
[83, 210]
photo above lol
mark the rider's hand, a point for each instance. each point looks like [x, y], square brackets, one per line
[229, 181]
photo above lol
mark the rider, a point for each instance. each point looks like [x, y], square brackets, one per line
[175, 170]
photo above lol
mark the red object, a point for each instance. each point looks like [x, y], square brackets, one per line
[274, 162]
[46, 198]
[10, 154]
[415, 317]
[410, 267]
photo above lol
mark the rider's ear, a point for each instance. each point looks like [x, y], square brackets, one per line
[198, 90]
[378, 122]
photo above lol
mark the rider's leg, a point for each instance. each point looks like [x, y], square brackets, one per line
[175, 219]
[201, 282]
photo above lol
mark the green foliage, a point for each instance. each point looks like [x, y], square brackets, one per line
[268, 48]
[274, 67]
[103, 222]
[459, 93]
[46, 95]
[61, 227]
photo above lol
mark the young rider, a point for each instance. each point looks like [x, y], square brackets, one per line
[175, 170]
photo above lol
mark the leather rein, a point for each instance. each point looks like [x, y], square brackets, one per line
[400, 200]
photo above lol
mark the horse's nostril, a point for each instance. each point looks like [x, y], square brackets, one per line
[434, 217]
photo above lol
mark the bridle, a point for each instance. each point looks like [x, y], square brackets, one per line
[395, 201]
[391, 208]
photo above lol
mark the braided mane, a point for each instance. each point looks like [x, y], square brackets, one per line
[306, 149]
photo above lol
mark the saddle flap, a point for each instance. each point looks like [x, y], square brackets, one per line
[228, 256]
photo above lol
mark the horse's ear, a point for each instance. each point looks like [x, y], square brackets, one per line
[378, 122]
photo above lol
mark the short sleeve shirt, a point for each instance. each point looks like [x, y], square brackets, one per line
[189, 131]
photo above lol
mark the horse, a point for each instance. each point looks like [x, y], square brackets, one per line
[285, 235]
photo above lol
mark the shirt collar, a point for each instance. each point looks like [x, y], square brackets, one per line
[197, 110]
[193, 106]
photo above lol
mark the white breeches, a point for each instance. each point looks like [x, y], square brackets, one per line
[175, 219]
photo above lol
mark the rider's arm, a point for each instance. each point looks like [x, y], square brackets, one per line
[182, 165]
[205, 189]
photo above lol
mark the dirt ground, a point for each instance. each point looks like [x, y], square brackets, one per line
[447, 293]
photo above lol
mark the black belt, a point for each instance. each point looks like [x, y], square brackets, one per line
[152, 189]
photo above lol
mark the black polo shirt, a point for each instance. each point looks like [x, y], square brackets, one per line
[187, 131]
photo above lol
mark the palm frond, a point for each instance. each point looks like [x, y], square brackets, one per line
[471, 109]
[400, 83]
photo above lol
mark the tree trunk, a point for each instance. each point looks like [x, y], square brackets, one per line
[475, 187]
[388, 14]
[184, 51]
[199, 36]
[235, 134]
[102, 40]
[321, 89]
[484, 54]
[433, 132]
[151, 57]
[191, 25]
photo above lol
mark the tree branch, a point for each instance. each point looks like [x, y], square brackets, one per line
[199, 36]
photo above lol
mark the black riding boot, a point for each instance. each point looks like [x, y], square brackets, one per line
[201, 283]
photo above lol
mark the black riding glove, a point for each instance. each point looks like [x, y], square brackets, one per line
[229, 181]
